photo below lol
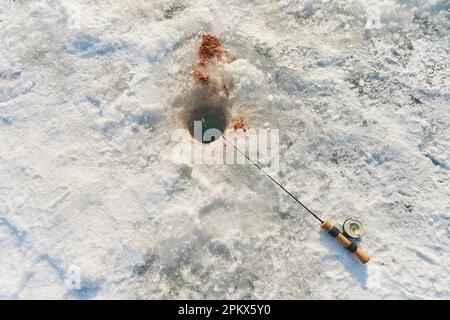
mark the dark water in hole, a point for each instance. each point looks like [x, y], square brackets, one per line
[211, 117]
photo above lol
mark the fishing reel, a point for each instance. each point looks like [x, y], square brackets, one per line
[352, 228]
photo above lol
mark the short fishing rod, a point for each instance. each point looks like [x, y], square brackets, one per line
[324, 224]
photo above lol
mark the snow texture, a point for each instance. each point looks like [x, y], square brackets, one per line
[92, 207]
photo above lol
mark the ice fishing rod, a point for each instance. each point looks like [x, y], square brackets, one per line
[324, 224]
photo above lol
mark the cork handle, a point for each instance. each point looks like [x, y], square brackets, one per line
[345, 242]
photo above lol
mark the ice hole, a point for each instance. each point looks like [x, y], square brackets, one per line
[207, 121]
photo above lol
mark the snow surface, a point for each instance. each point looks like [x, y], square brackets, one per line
[88, 93]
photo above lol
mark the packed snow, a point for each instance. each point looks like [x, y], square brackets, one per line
[92, 205]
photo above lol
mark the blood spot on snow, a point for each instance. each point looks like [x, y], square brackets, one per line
[210, 48]
[238, 123]
[200, 76]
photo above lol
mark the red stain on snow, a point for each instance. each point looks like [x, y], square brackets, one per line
[210, 48]
[238, 123]
[200, 76]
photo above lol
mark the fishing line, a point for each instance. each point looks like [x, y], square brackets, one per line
[274, 180]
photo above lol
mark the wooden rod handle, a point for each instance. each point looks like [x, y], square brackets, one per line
[345, 242]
